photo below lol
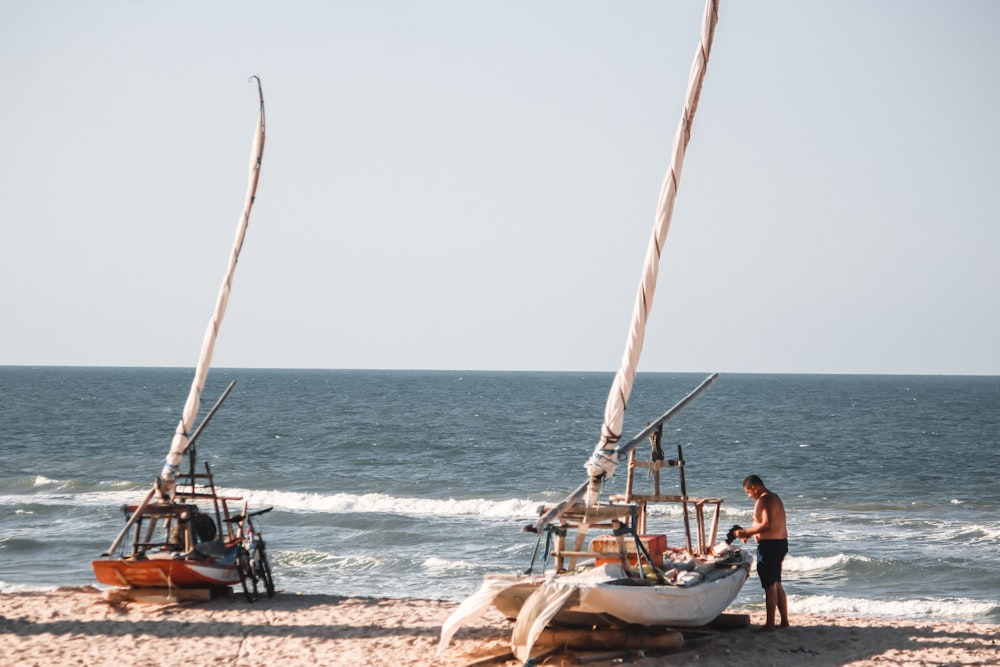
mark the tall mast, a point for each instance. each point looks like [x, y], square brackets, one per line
[182, 436]
[605, 458]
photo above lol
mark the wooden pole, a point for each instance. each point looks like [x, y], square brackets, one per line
[556, 511]
[128, 524]
[684, 497]
[211, 413]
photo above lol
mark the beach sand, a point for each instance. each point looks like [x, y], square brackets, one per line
[78, 626]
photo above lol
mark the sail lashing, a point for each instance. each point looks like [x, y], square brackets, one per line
[607, 455]
[181, 439]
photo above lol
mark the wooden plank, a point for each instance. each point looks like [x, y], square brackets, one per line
[157, 595]
[658, 465]
[650, 498]
[592, 515]
[587, 554]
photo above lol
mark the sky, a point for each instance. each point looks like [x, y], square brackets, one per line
[472, 185]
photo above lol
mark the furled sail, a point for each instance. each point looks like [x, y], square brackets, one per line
[181, 439]
[605, 458]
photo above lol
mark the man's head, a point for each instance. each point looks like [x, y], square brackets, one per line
[753, 485]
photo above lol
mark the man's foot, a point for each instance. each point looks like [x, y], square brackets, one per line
[765, 628]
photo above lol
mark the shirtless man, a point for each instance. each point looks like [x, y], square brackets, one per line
[772, 545]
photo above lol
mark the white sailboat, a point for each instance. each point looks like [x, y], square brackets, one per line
[185, 535]
[630, 577]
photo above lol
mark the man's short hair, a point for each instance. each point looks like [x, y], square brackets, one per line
[752, 480]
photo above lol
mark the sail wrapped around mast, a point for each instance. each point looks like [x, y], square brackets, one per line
[605, 458]
[181, 438]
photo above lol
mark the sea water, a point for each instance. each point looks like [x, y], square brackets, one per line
[417, 483]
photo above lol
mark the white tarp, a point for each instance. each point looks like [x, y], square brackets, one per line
[472, 608]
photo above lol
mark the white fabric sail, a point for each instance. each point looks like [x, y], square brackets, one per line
[604, 460]
[179, 444]
[548, 599]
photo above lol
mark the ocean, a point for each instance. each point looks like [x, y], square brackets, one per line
[417, 483]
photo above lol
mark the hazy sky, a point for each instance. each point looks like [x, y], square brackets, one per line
[471, 185]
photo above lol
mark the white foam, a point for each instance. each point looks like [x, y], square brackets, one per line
[91, 498]
[338, 503]
[814, 564]
[442, 565]
[989, 532]
[305, 557]
[912, 608]
[313, 560]
[23, 588]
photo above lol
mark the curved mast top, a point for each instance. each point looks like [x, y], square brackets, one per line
[182, 436]
[606, 455]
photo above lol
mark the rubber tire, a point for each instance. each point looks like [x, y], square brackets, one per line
[247, 576]
[264, 569]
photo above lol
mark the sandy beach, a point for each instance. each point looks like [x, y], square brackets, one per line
[79, 626]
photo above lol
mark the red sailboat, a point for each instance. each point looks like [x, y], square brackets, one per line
[183, 534]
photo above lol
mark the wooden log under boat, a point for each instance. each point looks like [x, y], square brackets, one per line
[632, 639]
[157, 595]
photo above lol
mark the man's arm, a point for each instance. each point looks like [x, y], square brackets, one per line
[762, 519]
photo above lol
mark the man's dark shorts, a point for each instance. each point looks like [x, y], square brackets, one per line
[770, 553]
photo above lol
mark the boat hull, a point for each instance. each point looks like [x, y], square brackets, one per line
[672, 606]
[166, 572]
[632, 602]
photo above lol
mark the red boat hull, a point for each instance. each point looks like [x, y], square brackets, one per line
[166, 572]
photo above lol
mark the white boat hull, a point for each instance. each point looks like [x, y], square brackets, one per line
[662, 605]
[601, 596]
[633, 603]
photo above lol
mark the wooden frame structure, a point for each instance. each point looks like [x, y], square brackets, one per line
[655, 464]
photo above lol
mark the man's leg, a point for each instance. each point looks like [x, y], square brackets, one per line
[782, 603]
[770, 604]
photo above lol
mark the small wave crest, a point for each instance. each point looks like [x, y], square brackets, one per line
[445, 566]
[6, 587]
[969, 533]
[935, 608]
[381, 503]
[309, 559]
[818, 563]
[47, 491]
[42, 490]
